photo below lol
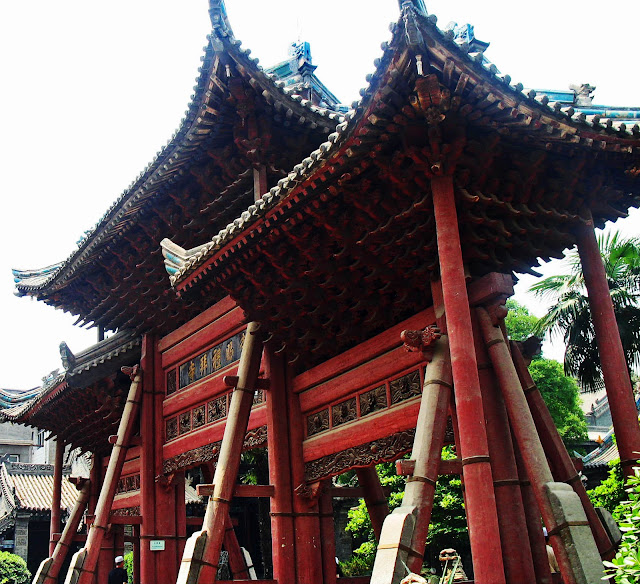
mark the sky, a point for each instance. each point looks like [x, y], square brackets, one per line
[92, 90]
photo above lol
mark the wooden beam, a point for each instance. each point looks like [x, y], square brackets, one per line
[239, 490]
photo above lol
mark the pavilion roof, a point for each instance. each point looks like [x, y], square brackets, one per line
[198, 182]
[62, 405]
[347, 237]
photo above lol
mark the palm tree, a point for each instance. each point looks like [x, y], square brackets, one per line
[570, 315]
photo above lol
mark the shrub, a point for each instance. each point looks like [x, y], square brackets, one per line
[13, 569]
[128, 565]
[625, 567]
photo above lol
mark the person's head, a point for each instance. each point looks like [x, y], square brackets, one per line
[546, 534]
[119, 561]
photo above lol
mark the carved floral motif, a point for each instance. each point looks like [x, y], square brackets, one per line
[185, 422]
[171, 429]
[344, 412]
[318, 422]
[375, 452]
[217, 409]
[171, 382]
[210, 452]
[199, 418]
[405, 387]
[127, 512]
[373, 400]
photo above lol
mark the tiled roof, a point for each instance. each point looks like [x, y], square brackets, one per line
[97, 360]
[29, 486]
[173, 161]
[604, 454]
[543, 116]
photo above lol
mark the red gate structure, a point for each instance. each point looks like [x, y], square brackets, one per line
[336, 294]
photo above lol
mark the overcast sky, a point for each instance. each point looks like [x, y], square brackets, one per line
[92, 90]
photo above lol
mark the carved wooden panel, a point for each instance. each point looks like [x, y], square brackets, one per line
[210, 452]
[171, 429]
[405, 387]
[198, 417]
[374, 452]
[317, 422]
[217, 409]
[184, 422]
[128, 484]
[343, 412]
[127, 512]
[373, 400]
[172, 382]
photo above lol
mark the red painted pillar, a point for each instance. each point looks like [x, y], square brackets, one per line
[518, 563]
[306, 512]
[149, 436]
[56, 495]
[327, 535]
[481, 509]
[165, 496]
[614, 365]
[136, 554]
[282, 529]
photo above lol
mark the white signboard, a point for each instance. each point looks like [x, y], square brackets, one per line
[156, 545]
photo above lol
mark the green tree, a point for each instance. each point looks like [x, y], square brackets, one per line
[13, 569]
[560, 393]
[610, 493]
[570, 316]
[562, 397]
[519, 321]
[448, 527]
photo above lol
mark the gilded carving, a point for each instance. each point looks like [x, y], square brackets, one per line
[373, 400]
[382, 450]
[318, 422]
[405, 387]
[343, 412]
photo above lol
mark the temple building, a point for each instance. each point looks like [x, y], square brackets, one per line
[294, 289]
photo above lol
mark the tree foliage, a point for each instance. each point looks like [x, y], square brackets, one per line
[610, 493]
[570, 316]
[519, 321]
[562, 397]
[448, 526]
[13, 569]
[560, 393]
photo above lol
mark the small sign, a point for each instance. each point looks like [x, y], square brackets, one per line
[156, 545]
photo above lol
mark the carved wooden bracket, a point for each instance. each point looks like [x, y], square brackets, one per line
[423, 340]
[130, 371]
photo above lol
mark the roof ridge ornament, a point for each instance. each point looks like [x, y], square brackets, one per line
[218, 16]
[416, 4]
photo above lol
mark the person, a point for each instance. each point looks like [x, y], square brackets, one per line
[118, 575]
[551, 556]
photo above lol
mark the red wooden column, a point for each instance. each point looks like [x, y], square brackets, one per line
[328, 538]
[481, 509]
[149, 436]
[306, 512]
[282, 529]
[614, 365]
[518, 562]
[56, 495]
[166, 496]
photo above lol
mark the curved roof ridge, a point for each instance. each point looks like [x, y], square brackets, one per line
[166, 165]
[407, 33]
